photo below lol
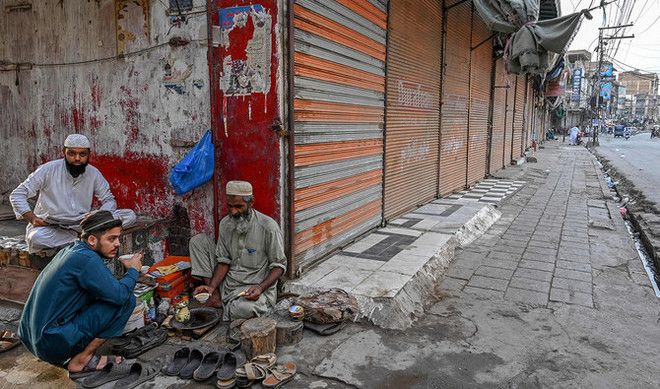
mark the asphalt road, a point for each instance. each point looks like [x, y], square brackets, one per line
[638, 159]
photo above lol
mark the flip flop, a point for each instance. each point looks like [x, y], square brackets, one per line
[208, 366]
[194, 361]
[227, 370]
[279, 375]
[140, 343]
[265, 360]
[180, 360]
[8, 341]
[110, 372]
[90, 367]
[138, 374]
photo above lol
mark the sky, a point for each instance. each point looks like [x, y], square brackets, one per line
[641, 52]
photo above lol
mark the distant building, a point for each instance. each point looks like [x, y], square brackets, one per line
[637, 82]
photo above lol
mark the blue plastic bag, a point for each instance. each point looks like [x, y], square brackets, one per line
[196, 168]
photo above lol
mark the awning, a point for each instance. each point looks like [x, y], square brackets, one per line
[534, 44]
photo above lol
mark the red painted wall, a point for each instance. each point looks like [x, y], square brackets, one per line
[247, 148]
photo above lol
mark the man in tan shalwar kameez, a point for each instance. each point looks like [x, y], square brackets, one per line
[243, 267]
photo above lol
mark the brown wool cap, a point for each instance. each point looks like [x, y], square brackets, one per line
[239, 188]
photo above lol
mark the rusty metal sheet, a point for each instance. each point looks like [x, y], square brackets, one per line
[455, 100]
[499, 119]
[518, 112]
[413, 102]
[510, 81]
[339, 108]
[480, 83]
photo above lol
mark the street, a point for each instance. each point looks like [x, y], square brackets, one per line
[637, 158]
[545, 298]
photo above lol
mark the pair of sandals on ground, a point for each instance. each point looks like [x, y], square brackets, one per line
[107, 368]
[8, 340]
[230, 368]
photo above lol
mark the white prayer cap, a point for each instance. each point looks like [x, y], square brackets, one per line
[77, 140]
[239, 188]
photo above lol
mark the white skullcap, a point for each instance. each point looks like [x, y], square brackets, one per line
[77, 140]
[239, 188]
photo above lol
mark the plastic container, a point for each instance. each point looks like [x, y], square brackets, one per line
[173, 284]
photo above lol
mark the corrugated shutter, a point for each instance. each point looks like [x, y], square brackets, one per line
[455, 95]
[339, 67]
[480, 73]
[529, 119]
[510, 81]
[519, 111]
[413, 101]
[497, 154]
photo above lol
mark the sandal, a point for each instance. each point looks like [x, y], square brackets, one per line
[125, 339]
[110, 372]
[228, 367]
[265, 360]
[180, 360]
[194, 361]
[248, 373]
[91, 367]
[142, 342]
[225, 384]
[279, 375]
[138, 374]
[208, 366]
[8, 341]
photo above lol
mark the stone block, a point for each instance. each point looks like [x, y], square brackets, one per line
[488, 283]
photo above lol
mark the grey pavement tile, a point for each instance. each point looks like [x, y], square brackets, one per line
[519, 237]
[566, 251]
[526, 296]
[541, 250]
[512, 243]
[571, 297]
[529, 284]
[533, 274]
[543, 243]
[489, 293]
[573, 274]
[501, 263]
[538, 265]
[584, 258]
[343, 277]
[504, 255]
[459, 272]
[574, 285]
[494, 272]
[539, 257]
[488, 283]
[509, 249]
[449, 283]
[579, 266]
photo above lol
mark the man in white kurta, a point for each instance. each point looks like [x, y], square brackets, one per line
[574, 135]
[66, 188]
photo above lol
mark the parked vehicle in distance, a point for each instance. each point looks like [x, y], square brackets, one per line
[631, 130]
[618, 130]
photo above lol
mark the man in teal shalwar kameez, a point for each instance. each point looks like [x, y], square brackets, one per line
[76, 303]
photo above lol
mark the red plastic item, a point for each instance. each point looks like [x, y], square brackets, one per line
[173, 284]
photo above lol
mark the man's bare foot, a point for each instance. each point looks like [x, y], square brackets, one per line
[93, 362]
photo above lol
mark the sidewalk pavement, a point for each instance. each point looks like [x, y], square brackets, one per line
[552, 295]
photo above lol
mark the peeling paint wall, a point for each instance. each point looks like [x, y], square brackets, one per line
[142, 111]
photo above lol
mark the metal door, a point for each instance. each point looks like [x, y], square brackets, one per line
[455, 96]
[497, 159]
[413, 101]
[480, 77]
[243, 63]
[339, 90]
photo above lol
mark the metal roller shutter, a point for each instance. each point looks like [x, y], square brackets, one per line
[480, 74]
[510, 100]
[339, 87]
[413, 101]
[455, 95]
[499, 119]
[518, 113]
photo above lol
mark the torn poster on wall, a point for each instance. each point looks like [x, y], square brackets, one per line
[249, 71]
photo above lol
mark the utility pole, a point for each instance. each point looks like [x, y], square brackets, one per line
[602, 42]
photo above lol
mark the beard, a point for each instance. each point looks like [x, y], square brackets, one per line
[75, 170]
[241, 222]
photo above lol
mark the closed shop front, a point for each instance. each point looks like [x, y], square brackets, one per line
[413, 94]
[455, 97]
[510, 81]
[480, 85]
[339, 89]
[497, 146]
[518, 115]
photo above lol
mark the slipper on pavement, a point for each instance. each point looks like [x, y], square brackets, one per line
[110, 372]
[194, 361]
[180, 360]
[279, 375]
[139, 373]
[208, 366]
